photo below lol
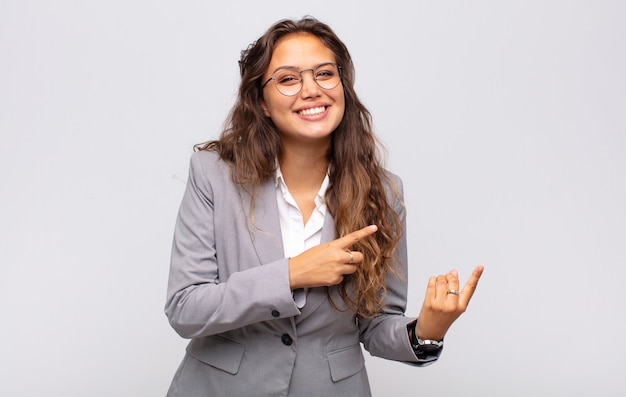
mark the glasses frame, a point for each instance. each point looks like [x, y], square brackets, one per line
[339, 69]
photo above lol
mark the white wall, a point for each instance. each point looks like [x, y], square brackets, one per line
[506, 121]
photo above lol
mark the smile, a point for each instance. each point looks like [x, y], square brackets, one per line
[312, 111]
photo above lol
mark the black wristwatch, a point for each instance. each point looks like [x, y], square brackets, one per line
[424, 347]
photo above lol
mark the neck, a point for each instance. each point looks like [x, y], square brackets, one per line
[303, 170]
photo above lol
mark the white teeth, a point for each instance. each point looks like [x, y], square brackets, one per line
[312, 111]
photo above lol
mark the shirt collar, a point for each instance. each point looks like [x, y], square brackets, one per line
[279, 181]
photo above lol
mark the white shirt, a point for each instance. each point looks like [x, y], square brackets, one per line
[297, 236]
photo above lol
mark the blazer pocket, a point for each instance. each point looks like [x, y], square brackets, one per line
[217, 352]
[345, 362]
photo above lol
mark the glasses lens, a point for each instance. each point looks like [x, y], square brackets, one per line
[327, 76]
[289, 81]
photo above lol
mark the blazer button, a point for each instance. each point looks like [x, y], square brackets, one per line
[286, 339]
[275, 313]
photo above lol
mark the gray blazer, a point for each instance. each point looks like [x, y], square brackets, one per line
[229, 293]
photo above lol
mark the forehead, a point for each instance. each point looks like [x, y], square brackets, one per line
[302, 50]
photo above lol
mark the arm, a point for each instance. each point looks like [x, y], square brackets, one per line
[389, 334]
[386, 335]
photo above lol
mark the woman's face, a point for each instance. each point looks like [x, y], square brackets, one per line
[313, 113]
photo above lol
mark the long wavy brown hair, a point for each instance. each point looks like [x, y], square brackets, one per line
[356, 196]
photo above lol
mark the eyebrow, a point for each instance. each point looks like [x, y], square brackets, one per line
[295, 68]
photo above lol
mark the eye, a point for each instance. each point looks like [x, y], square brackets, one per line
[325, 72]
[287, 78]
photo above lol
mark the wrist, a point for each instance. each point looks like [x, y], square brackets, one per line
[423, 348]
[423, 331]
[294, 282]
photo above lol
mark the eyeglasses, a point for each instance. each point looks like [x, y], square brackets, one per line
[288, 81]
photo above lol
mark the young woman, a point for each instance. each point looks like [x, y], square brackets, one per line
[289, 249]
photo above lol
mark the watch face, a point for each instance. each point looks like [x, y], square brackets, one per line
[428, 348]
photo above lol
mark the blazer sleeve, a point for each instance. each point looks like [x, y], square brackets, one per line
[386, 335]
[199, 303]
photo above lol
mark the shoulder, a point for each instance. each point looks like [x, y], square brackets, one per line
[208, 162]
[207, 169]
[205, 158]
[392, 181]
[394, 189]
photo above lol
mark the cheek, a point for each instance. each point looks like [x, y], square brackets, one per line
[273, 103]
[339, 95]
[341, 101]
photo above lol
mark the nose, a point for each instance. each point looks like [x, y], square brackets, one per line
[309, 85]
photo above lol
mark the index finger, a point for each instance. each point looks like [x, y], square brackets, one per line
[349, 239]
[471, 284]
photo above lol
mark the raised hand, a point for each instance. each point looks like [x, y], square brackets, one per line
[327, 264]
[444, 303]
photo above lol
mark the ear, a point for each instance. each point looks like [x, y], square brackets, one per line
[265, 109]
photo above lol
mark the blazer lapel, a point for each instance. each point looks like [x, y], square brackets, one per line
[264, 225]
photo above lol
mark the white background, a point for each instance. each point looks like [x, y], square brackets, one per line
[505, 119]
